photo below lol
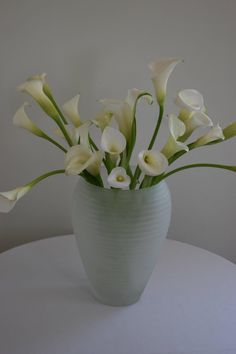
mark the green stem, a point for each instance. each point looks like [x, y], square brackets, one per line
[46, 137]
[45, 175]
[182, 168]
[64, 132]
[159, 120]
[57, 108]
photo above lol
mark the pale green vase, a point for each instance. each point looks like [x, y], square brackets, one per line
[119, 235]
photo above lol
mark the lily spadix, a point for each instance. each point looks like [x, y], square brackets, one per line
[124, 111]
[177, 129]
[152, 162]
[113, 141]
[214, 134]
[118, 178]
[36, 86]
[161, 70]
[80, 158]
[9, 199]
[71, 110]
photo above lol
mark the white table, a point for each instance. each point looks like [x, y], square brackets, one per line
[189, 305]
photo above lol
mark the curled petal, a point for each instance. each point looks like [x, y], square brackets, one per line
[80, 158]
[113, 141]
[152, 162]
[22, 120]
[118, 178]
[134, 94]
[34, 86]
[161, 70]
[215, 133]
[9, 199]
[190, 99]
[71, 110]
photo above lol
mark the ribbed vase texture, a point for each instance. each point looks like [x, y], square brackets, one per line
[119, 234]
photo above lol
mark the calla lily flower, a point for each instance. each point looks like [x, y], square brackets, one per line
[161, 70]
[118, 178]
[190, 99]
[152, 162]
[71, 110]
[194, 121]
[22, 120]
[34, 86]
[215, 133]
[9, 199]
[177, 129]
[80, 158]
[123, 111]
[102, 119]
[113, 141]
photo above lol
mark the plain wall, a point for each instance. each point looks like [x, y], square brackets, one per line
[100, 49]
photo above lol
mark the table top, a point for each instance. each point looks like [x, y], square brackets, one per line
[188, 307]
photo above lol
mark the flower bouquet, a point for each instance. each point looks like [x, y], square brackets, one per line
[120, 217]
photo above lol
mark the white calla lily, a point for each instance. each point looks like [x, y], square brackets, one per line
[71, 110]
[190, 99]
[123, 111]
[8, 199]
[36, 87]
[113, 141]
[80, 158]
[118, 178]
[161, 70]
[195, 120]
[215, 133]
[102, 119]
[177, 130]
[22, 120]
[152, 162]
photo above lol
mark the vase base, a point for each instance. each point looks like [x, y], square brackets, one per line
[116, 302]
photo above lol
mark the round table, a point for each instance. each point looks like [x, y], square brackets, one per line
[46, 307]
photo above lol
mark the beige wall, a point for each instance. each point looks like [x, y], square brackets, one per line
[100, 49]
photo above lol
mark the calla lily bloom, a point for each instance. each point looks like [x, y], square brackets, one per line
[71, 110]
[215, 133]
[102, 119]
[118, 178]
[22, 120]
[161, 70]
[113, 141]
[177, 129]
[194, 121]
[123, 111]
[34, 86]
[80, 158]
[9, 199]
[190, 99]
[152, 162]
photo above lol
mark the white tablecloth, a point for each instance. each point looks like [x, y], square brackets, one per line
[188, 307]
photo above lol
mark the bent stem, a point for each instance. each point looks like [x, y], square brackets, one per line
[44, 176]
[48, 138]
[186, 167]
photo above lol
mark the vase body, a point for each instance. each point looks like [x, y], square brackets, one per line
[119, 235]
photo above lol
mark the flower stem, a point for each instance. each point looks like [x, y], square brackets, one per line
[159, 120]
[46, 137]
[45, 175]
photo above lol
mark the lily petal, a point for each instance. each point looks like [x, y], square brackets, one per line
[190, 99]
[102, 119]
[152, 162]
[161, 70]
[177, 129]
[71, 110]
[215, 133]
[113, 141]
[22, 120]
[34, 86]
[118, 178]
[9, 199]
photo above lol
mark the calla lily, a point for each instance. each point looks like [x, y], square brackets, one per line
[71, 110]
[102, 119]
[118, 178]
[194, 121]
[152, 162]
[113, 141]
[215, 133]
[190, 99]
[9, 199]
[22, 120]
[123, 111]
[177, 129]
[80, 158]
[34, 86]
[161, 70]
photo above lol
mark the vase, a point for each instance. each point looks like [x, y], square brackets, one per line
[119, 235]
